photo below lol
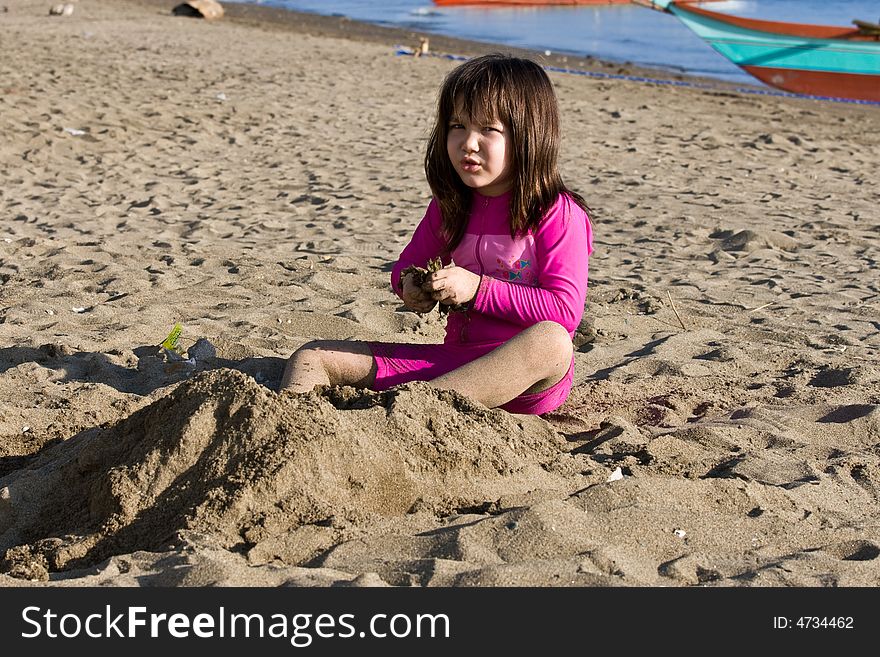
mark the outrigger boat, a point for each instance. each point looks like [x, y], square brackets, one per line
[538, 3]
[817, 60]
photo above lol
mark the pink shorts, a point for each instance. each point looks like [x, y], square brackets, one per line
[398, 363]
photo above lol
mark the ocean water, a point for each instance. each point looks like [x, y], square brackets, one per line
[622, 33]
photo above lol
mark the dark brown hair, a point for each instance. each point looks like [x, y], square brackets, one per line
[518, 93]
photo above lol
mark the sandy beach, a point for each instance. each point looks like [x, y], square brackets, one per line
[254, 178]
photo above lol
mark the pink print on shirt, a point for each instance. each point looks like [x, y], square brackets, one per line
[499, 256]
[520, 271]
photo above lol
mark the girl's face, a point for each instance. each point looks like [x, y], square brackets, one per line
[480, 151]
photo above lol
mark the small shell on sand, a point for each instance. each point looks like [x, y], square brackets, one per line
[61, 10]
[5, 508]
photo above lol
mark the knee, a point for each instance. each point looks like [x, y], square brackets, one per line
[552, 344]
[314, 345]
[311, 347]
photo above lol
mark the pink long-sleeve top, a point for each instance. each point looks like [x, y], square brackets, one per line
[541, 276]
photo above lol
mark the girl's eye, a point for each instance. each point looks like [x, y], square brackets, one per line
[455, 126]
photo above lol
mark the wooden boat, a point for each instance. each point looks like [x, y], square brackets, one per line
[818, 60]
[537, 3]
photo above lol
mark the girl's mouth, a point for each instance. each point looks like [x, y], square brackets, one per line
[470, 165]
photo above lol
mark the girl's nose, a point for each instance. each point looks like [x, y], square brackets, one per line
[472, 142]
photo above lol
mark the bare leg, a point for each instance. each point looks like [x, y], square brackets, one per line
[329, 362]
[531, 361]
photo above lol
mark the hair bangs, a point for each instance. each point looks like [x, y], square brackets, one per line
[478, 94]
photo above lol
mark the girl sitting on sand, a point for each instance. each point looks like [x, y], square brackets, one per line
[514, 243]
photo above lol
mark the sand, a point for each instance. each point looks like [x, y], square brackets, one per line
[253, 179]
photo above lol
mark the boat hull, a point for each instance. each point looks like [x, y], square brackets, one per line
[818, 83]
[790, 59]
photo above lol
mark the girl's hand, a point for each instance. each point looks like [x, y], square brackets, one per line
[452, 285]
[414, 297]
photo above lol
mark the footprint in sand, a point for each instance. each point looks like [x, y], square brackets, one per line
[752, 240]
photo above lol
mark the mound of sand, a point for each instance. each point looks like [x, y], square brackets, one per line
[224, 456]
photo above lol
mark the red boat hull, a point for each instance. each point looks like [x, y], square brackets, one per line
[819, 83]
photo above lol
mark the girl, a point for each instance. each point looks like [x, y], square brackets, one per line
[514, 242]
